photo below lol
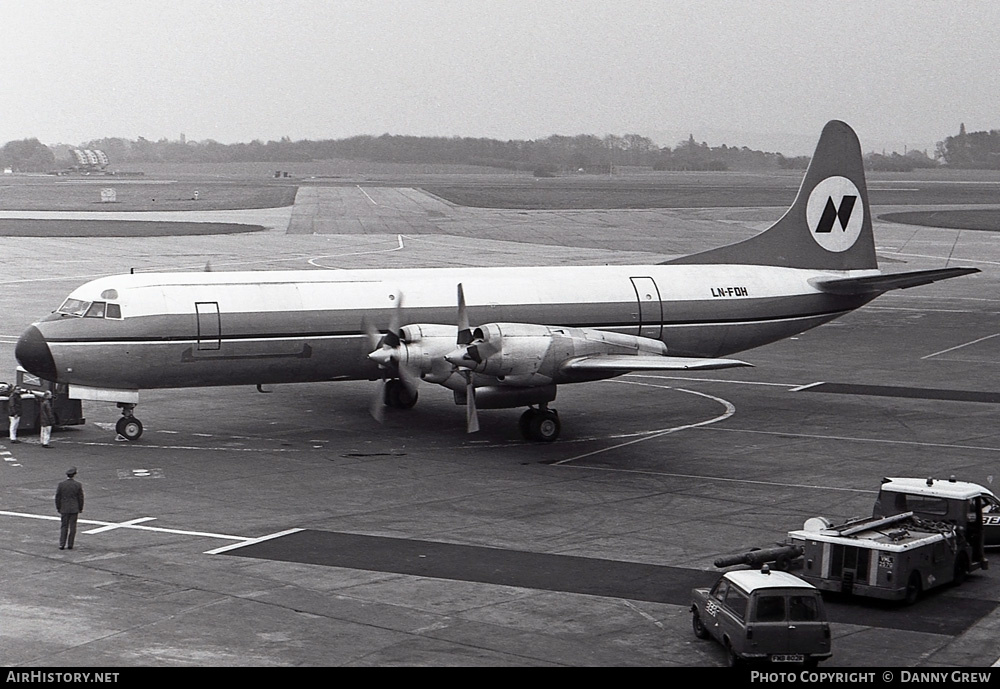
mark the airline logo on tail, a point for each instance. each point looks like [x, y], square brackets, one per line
[834, 214]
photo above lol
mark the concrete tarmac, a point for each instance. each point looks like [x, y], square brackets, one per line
[290, 529]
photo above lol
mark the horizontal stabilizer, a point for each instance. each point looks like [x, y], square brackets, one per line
[876, 284]
[625, 363]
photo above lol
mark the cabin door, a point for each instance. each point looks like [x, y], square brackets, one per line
[650, 307]
[209, 325]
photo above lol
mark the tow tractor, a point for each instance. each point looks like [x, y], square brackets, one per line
[68, 412]
[923, 533]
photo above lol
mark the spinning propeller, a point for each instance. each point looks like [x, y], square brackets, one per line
[388, 352]
[472, 349]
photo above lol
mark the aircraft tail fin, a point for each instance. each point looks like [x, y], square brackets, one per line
[827, 227]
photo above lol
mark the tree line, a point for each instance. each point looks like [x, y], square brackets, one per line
[555, 154]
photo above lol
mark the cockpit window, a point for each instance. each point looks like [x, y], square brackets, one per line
[74, 307]
[90, 309]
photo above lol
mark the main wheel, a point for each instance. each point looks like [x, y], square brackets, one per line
[545, 426]
[398, 396]
[129, 427]
[524, 423]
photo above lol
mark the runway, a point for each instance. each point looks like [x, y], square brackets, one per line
[289, 528]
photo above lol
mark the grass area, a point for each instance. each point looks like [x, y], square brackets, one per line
[10, 227]
[84, 194]
[984, 219]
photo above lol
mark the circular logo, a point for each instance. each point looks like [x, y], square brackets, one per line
[835, 214]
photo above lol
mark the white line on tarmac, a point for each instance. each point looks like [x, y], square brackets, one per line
[251, 541]
[139, 527]
[730, 410]
[120, 525]
[952, 349]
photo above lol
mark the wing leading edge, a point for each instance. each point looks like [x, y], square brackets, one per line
[626, 363]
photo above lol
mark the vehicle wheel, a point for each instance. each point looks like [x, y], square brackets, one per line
[961, 569]
[699, 627]
[913, 588]
[129, 427]
[732, 659]
[545, 426]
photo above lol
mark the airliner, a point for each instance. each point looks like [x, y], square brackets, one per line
[499, 337]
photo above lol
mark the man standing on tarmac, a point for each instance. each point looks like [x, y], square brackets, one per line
[69, 503]
[46, 418]
[14, 411]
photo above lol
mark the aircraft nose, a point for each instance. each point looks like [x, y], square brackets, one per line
[32, 352]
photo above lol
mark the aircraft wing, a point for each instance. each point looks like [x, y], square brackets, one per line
[625, 363]
[876, 284]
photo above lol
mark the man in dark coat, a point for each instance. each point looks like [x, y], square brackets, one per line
[46, 418]
[14, 411]
[69, 503]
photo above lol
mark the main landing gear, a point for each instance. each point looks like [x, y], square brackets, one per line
[541, 424]
[399, 395]
[128, 426]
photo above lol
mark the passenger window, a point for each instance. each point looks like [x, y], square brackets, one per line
[771, 609]
[719, 591]
[96, 310]
[113, 311]
[736, 602]
[803, 609]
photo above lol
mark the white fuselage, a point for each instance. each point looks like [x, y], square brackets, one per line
[161, 330]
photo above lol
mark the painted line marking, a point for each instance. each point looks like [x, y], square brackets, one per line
[952, 349]
[806, 387]
[730, 410]
[137, 527]
[643, 613]
[120, 525]
[251, 541]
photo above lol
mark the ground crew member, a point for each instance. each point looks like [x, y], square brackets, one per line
[46, 418]
[14, 411]
[69, 504]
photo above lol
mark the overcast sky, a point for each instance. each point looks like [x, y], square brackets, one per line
[741, 73]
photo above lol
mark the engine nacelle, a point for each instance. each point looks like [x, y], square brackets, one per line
[522, 351]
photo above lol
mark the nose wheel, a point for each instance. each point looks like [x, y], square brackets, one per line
[541, 424]
[128, 426]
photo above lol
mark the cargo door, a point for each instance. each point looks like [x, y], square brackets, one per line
[650, 307]
[770, 624]
[209, 325]
[808, 630]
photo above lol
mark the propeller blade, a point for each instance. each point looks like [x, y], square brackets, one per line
[374, 336]
[377, 405]
[464, 331]
[471, 417]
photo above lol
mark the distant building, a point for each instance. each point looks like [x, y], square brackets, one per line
[87, 159]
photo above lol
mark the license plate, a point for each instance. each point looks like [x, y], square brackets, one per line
[788, 658]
